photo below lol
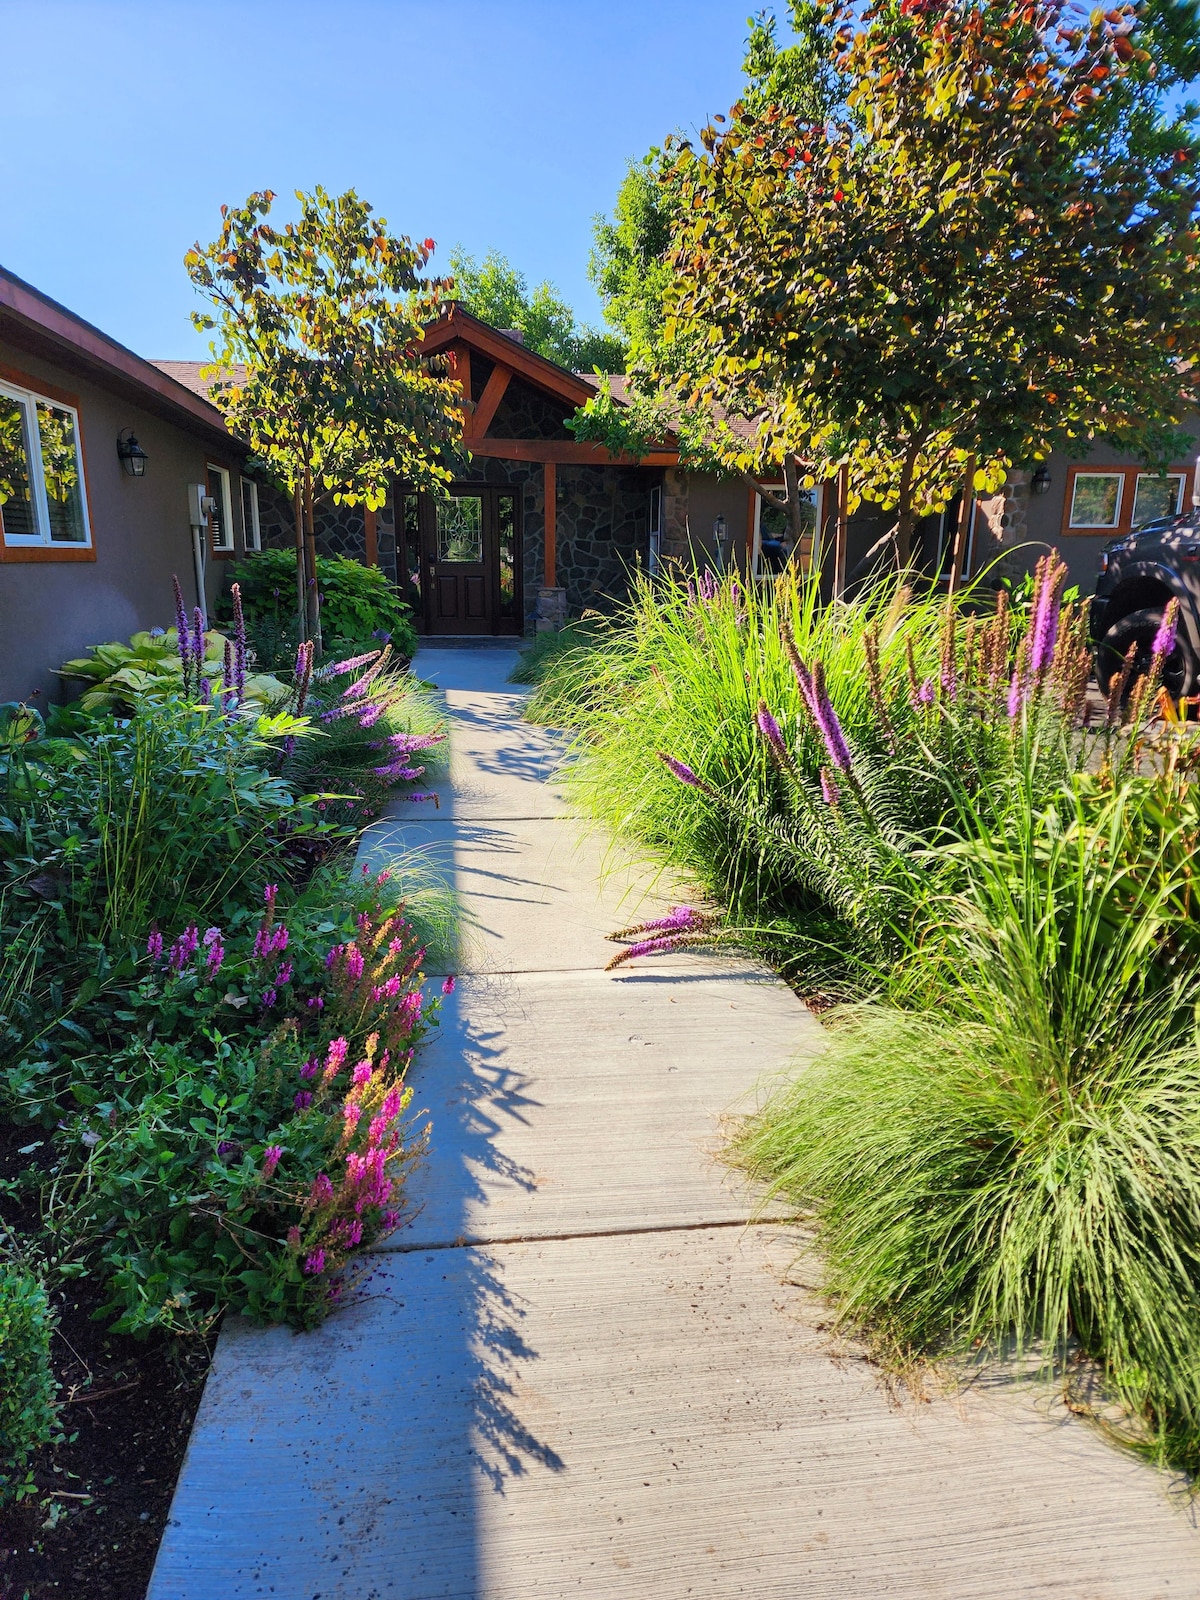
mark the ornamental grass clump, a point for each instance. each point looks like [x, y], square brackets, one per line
[1006, 1144]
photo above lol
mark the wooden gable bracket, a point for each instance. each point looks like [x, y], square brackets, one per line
[489, 400]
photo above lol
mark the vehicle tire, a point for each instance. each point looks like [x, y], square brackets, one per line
[1181, 669]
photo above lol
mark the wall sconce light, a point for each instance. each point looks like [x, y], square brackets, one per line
[719, 535]
[130, 454]
[1040, 481]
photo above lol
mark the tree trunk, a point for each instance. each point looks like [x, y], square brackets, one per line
[310, 543]
[301, 585]
[961, 526]
[905, 520]
[791, 488]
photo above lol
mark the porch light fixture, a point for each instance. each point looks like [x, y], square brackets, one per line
[130, 454]
[719, 535]
[1040, 481]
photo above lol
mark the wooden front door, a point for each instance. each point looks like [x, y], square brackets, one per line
[471, 551]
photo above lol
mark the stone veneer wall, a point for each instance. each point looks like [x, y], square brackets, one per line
[1002, 523]
[340, 530]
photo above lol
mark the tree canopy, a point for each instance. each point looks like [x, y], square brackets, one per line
[317, 362]
[982, 249]
[493, 290]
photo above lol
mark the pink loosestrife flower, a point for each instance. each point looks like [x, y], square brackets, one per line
[321, 1192]
[184, 948]
[315, 1263]
[284, 975]
[354, 963]
[302, 1099]
[310, 1068]
[270, 1160]
[448, 985]
[361, 1074]
[154, 945]
[293, 1237]
[335, 1057]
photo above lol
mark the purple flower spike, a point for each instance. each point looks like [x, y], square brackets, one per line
[271, 1157]
[1016, 697]
[1164, 639]
[924, 695]
[154, 945]
[181, 634]
[769, 728]
[681, 770]
[315, 1263]
[829, 789]
[1044, 634]
[197, 642]
[239, 644]
[812, 686]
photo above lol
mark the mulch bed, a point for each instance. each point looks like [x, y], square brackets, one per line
[104, 1498]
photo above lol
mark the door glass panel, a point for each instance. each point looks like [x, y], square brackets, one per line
[16, 499]
[1156, 497]
[410, 546]
[60, 468]
[460, 529]
[506, 538]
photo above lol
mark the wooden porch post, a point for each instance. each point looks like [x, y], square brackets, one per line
[550, 494]
[370, 539]
[840, 527]
[962, 526]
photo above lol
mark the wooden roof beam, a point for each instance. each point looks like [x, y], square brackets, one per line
[489, 401]
[566, 452]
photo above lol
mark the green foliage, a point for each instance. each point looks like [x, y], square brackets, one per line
[28, 1391]
[358, 605]
[999, 1135]
[120, 675]
[1014, 1151]
[494, 291]
[543, 654]
[826, 288]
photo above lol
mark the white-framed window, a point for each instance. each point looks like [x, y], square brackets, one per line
[42, 498]
[773, 528]
[220, 522]
[1096, 500]
[1157, 496]
[655, 528]
[251, 528]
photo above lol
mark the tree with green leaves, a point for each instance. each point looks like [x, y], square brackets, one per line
[317, 362]
[985, 251]
[494, 291]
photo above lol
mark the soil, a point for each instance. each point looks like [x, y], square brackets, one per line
[92, 1531]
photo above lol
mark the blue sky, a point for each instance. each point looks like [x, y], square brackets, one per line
[502, 123]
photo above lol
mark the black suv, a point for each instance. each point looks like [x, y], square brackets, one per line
[1139, 573]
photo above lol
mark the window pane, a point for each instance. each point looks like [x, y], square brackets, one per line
[60, 468]
[460, 529]
[250, 513]
[1096, 501]
[410, 534]
[218, 522]
[1156, 497]
[506, 530]
[16, 498]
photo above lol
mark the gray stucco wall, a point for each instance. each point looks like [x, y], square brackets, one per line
[52, 610]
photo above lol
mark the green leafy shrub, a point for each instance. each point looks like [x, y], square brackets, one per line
[121, 675]
[360, 608]
[28, 1390]
[1008, 1146]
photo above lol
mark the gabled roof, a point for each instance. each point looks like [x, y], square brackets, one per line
[459, 325]
[35, 322]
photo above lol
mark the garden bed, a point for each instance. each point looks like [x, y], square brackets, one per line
[980, 873]
[207, 1013]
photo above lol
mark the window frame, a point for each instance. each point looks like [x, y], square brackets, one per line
[253, 525]
[221, 552]
[1180, 477]
[1129, 477]
[808, 557]
[28, 391]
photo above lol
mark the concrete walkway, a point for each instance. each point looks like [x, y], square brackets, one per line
[577, 1370]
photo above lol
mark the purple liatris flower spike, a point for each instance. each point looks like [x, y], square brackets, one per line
[1164, 639]
[816, 696]
[682, 771]
[924, 695]
[181, 635]
[769, 729]
[1016, 697]
[337, 668]
[227, 666]
[239, 643]
[829, 789]
[270, 1159]
[197, 641]
[1044, 630]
